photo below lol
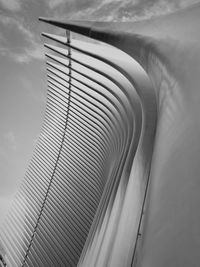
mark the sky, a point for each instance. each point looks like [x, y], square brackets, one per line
[23, 75]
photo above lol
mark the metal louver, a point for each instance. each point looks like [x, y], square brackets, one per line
[95, 125]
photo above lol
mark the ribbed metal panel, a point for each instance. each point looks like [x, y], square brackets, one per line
[84, 154]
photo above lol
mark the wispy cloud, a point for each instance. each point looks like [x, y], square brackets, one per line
[145, 9]
[116, 10]
[12, 5]
[17, 23]
[54, 3]
[18, 41]
[28, 54]
[2, 39]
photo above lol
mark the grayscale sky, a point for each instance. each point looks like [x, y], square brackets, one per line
[22, 70]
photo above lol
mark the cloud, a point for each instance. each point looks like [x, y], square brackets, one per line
[71, 5]
[12, 5]
[55, 3]
[116, 10]
[18, 42]
[2, 39]
[19, 25]
[28, 54]
[145, 9]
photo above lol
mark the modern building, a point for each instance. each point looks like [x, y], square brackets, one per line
[114, 179]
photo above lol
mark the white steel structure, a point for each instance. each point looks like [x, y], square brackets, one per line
[115, 178]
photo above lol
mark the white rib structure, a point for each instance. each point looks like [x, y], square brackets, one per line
[114, 177]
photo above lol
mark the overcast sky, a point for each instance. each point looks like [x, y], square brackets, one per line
[22, 70]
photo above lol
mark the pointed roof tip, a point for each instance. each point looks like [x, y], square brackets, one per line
[81, 27]
[43, 19]
[81, 23]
